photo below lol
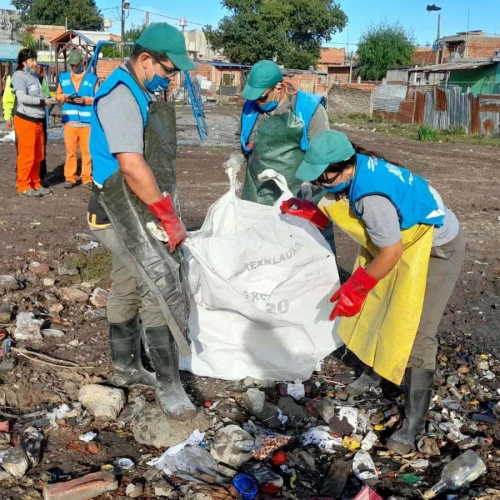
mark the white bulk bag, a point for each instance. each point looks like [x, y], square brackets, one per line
[260, 284]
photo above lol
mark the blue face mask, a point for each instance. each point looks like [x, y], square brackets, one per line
[78, 70]
[28, 69]
[269, 106]
[157, 84]
[339, 187]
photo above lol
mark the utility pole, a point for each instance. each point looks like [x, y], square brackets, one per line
[350, 66]
[438, 37]
[147, 19]
[123, 27]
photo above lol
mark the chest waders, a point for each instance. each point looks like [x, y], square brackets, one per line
[161, 271]
[276, 145]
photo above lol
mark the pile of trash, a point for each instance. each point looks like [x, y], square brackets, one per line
[65, 434]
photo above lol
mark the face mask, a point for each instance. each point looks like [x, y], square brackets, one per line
[78, 70]
[339, 187]
[28, 69]
[269, 106]
[157, 84]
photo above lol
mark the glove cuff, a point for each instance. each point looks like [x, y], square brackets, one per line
[363, 279]
[162, 208]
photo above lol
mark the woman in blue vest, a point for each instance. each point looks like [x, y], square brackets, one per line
[75, 92]
[387, 199]
[277, 123]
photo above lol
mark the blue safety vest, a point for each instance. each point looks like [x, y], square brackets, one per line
[77, 112]
[105, 163]
[415, 201]
[305, 107]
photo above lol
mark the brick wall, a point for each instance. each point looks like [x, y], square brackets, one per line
[483, 48]
[106, 66]
[345, 100]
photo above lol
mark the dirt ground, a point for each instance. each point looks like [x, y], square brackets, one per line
[45, 230]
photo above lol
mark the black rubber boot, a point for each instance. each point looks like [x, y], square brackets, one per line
[164, 355]
[367, 380]
[418, 392]
[125, 343]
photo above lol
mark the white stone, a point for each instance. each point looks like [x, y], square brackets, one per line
[7, 283]
[104, 403]
[15, 462]
[27, 327]
[232, 446]
[134, 490]
[254, 401]
[51, 332]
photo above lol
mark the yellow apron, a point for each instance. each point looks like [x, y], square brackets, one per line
[382, 333]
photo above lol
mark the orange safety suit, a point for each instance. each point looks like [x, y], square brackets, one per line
[74, 135]
[30, 153]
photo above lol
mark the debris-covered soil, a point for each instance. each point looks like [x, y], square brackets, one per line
[60, 421]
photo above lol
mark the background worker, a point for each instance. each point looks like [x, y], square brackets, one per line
[133, 145]
[29, 116]
[75, 92]
[412, 249]
[9, 101]
[277, 123]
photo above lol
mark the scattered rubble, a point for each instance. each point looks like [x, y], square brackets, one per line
[28, 328]
[154, 428]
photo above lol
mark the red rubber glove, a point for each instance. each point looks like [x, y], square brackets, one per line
[176, 231]
[305, 209]
[352, 294]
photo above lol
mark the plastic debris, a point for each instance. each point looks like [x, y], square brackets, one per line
[266, 444]
[463, 470]
[246, 486]
[87, 437]
[363, 466]
[410, 478]
[322, 437]
[367, 494]
[279, 458]
[194, 440]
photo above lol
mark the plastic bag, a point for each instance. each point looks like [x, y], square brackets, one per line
[260, 283]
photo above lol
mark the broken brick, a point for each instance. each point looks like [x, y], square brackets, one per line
[83, 488]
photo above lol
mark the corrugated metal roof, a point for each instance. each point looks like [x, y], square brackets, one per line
[453, 66]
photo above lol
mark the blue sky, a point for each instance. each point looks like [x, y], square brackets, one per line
[412, 14]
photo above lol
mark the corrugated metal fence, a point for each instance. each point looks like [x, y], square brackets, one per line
[443, 109]
[387, 98]
[450, 109]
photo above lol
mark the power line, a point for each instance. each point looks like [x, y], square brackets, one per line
[163, 15]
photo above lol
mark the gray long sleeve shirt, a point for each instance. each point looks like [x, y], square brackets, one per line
[30, 100]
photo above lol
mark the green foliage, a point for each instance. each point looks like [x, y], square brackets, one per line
[383, 46]
[131, 36]
[426, 133]
[288, 31]
[28, 40]
[80, 14]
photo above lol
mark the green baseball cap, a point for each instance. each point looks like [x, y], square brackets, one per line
[263, 75]
[325, 148]
[165, 38]
[75, 57]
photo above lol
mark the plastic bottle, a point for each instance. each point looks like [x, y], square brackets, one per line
[459, 472]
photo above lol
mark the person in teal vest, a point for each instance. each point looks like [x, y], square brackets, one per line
[75, 92]
[277, 124]
[133, 146]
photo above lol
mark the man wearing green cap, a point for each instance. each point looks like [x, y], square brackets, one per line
[76, 92]
[133, 146]
[276, 126]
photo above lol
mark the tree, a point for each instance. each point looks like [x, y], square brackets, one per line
[383, 46]
[288, 31]
[28, 40]
[131, 36]
[79, 14]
